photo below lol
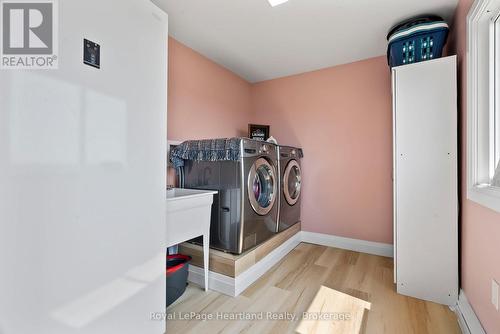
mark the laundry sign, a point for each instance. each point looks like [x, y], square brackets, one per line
[29, 34]
[258, 132]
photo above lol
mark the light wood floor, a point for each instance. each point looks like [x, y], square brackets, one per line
[292, 285]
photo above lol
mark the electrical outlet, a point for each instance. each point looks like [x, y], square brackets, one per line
[494, 293]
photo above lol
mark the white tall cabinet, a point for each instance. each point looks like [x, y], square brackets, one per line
[425, 180]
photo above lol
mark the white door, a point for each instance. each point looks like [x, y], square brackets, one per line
[82, 178]
[426, 195]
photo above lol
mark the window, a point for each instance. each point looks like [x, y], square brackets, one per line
[483, 95]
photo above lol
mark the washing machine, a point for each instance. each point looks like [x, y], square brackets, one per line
[245, 210]
[290, 186]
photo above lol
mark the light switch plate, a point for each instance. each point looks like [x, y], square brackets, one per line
[494, 293]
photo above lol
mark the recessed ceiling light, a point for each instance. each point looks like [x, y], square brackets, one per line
[276, 2]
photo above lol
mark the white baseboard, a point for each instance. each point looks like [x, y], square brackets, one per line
[216, 282]
[246, 278]
[467, 318]
[362, 246]
[234, 286]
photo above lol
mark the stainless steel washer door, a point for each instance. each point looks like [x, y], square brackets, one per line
[292, 182]
[262, 186]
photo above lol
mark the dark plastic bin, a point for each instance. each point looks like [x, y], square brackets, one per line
[177, 274]
[417, 39]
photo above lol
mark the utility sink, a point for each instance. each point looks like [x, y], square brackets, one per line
[183, 199]
[179, 193]
[188, 217]
[188, 213]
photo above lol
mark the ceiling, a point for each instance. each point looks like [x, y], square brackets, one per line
[259, 42]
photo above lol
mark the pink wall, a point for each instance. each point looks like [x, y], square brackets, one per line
[480, 227]
[205, 100]
[342, 118]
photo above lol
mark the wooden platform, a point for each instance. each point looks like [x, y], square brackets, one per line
[233, 265]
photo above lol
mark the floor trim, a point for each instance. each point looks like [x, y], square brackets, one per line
[234, 286]
[362, 246]
[246, 278]
[217, 282]
[467, 318]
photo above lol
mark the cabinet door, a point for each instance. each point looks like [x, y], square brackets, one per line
[426, 195]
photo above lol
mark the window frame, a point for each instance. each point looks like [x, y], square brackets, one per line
[482, 144]
[496, 112]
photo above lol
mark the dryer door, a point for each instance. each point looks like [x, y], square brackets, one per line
[262, 186]
[292, 182]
